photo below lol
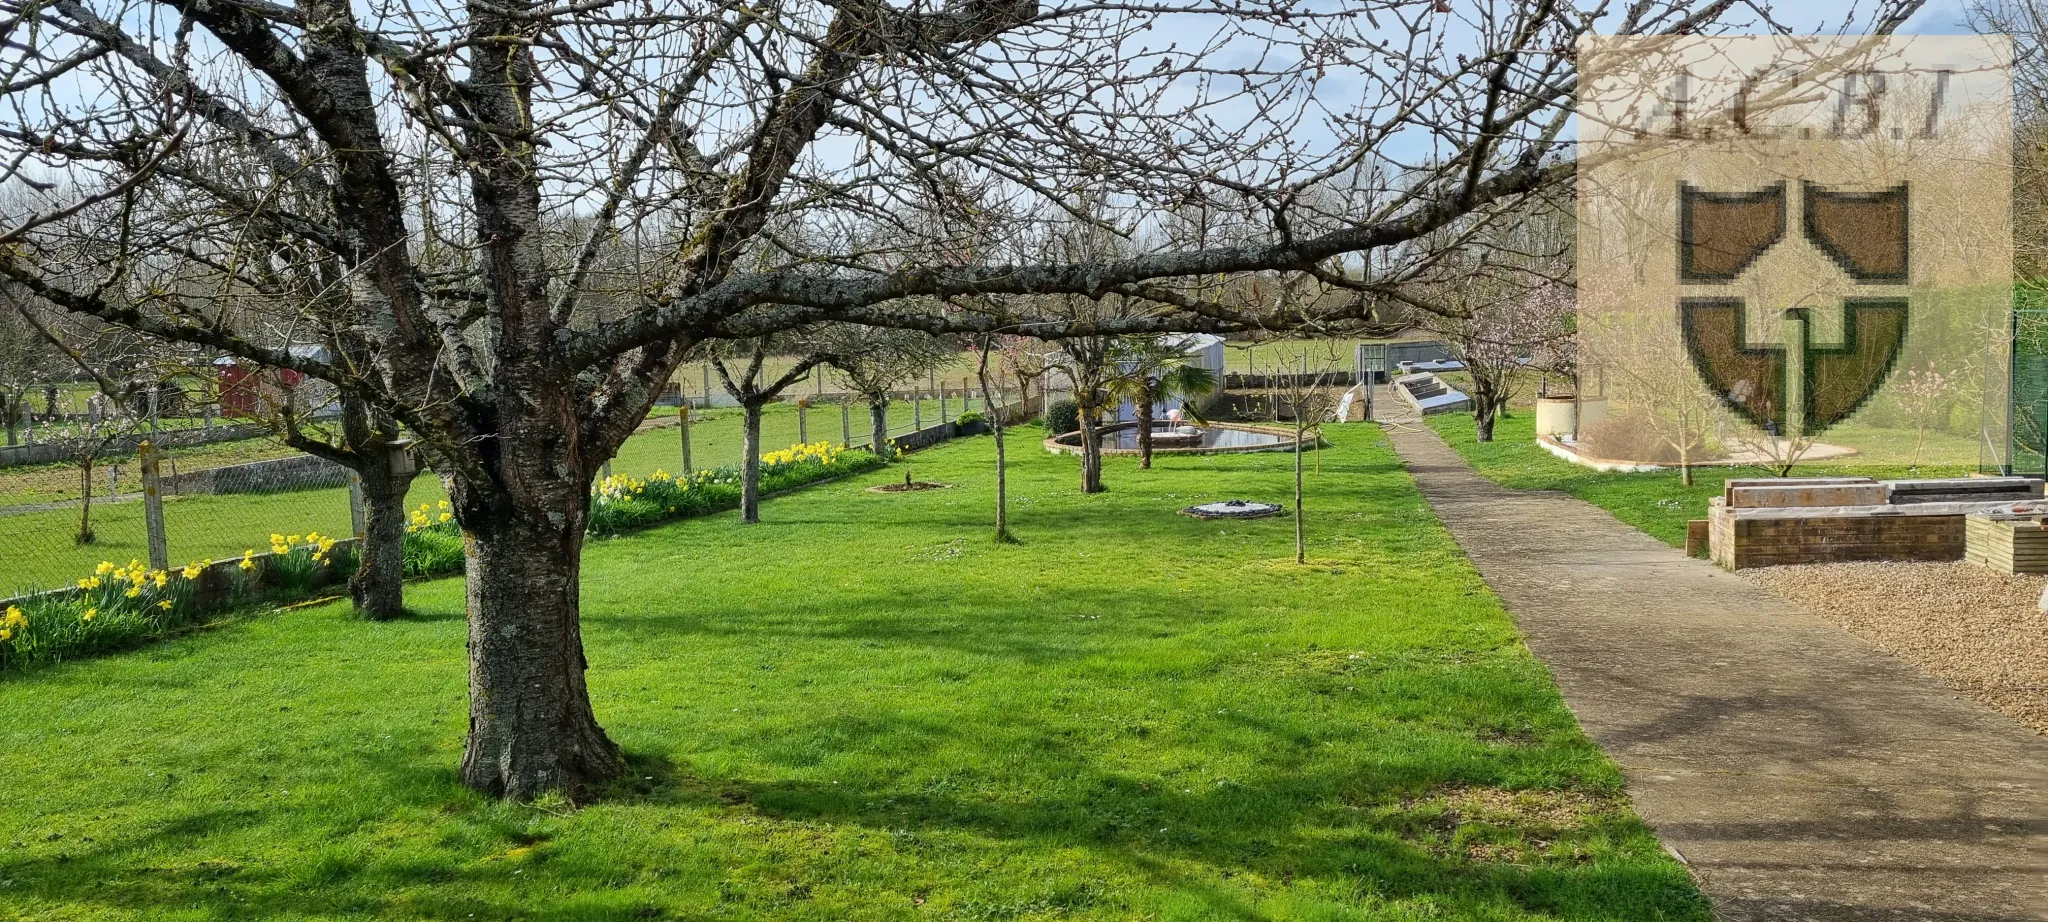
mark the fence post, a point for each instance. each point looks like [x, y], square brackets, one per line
[153, 509]
[356, 514]
[943, 414]
[683, 415]
[845, 424]
[916, 413]
[707, 385]
[607, 469]
[803, 421]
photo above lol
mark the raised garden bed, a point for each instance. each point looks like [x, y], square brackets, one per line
[2007, 543]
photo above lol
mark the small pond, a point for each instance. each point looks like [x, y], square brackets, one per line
[1122, 439]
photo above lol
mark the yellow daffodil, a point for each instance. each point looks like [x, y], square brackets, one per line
[89, 613]
[445, 516]
[105, 567]
[165, 605]
[193, 569]
[6, 634]
[444, 504]
[160, 577]
[133, 591]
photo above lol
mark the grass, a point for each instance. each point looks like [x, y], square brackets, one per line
[1656, 502]
[864, 708]
[37, 549]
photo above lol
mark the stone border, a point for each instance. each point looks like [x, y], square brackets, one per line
[1055, 446]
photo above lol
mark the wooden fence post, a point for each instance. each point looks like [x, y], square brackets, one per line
[845, 424]
[683, 413]
[943, 415]
[803, 421]
[357, 517]
[153, 509]
[916, 413]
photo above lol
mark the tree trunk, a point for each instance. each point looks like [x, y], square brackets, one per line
[378, 586]
[995, 422]
[531, 729]
[1145, 429]
[878, 425]
[750, 464]
[1484, 412]
[85, 535]
[1091, 452]
[1300, 531]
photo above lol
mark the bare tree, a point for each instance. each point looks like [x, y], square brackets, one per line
[432, 153]
[27, 359]
[755, 388]
[873, 362]
[1308, 387]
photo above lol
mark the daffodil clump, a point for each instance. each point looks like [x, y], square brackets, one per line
[621, 502]
[112, 606]
[299, 562]
[433, 542]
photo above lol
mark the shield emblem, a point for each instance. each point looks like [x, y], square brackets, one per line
[1864, 234]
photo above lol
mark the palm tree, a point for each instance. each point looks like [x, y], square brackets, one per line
[1152, 369]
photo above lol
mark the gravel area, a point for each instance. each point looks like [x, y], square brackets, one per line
[1976, 629]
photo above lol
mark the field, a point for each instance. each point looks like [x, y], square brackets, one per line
[863, 708]
[1657, 502]
[37, 549]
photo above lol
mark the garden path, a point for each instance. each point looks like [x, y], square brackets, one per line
[1800, 772]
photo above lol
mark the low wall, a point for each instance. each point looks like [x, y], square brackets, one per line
[1740, 542]
[46, 453]
[303, 472]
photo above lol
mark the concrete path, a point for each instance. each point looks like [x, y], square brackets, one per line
[1800, 772]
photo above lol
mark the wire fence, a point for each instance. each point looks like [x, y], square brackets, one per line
[220, 499]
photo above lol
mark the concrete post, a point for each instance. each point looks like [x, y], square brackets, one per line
[153, 509]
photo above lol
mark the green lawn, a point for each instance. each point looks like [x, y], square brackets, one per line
[1656, 502]
[865, 709]
[37, 549]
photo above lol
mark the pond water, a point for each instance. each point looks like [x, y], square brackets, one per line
[1210, 438]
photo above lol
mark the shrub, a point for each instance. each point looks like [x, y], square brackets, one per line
[1062, 417]
[970, 418]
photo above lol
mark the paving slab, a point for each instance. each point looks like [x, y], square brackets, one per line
[1801, 773]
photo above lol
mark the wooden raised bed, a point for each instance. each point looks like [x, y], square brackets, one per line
[2007, 543]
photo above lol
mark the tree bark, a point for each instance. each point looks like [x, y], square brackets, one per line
[1091, 452]
[378, 586]
[750, 464]
[1145, 429]
[85, 535]
[878, 425]
[1484, 412]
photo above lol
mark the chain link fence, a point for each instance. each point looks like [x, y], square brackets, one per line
[225, 487]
